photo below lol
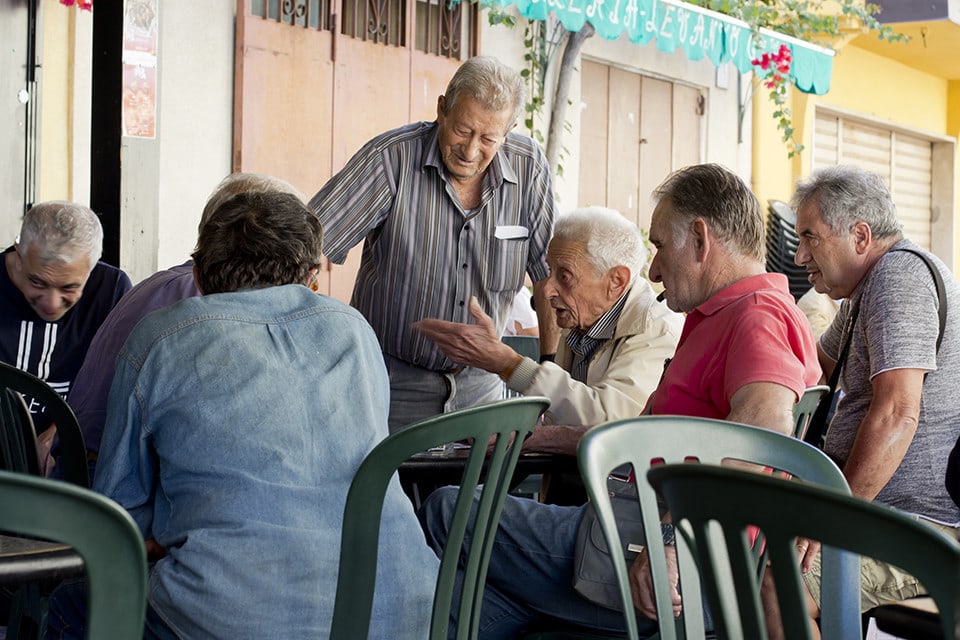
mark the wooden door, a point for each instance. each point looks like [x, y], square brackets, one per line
[634, 130]
[315, 81]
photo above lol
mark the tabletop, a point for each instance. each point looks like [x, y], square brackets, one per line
[26, 559]
[428, 470]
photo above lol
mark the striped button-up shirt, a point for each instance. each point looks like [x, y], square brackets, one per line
[424, 255]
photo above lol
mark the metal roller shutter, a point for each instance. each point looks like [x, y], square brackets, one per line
[905, 161]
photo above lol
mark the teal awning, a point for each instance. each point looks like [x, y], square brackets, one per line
[699, 32]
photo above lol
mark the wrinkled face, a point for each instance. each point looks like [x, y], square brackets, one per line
[672, 265]
[50, 288]
[831, 260]
[470, 136]
[578, 294]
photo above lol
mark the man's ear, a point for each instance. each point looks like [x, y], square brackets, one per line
[699, 235]
[618, 279]
[441, 107]
[862, 237]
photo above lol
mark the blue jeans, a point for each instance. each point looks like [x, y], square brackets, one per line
[531, 568]
[417, 393]
[67, 615]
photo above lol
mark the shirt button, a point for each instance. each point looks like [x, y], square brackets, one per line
[464, 265]
[461, 303]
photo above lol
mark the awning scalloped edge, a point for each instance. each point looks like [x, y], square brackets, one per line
[699, 32]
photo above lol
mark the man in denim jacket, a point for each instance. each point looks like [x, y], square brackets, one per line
[235, 425]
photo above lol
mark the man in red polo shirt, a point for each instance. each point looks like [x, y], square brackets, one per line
[746, 354]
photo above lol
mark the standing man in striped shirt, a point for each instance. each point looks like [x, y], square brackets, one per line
[54, 294]
[449, 209]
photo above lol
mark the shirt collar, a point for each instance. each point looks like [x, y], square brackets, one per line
[604, 327]
[737, 290]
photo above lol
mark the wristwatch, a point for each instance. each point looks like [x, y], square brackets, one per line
[668, 533]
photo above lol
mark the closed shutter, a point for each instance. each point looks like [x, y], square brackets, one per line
[634, 131]
[905, 161]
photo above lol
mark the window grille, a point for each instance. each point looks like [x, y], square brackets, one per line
[312, 14]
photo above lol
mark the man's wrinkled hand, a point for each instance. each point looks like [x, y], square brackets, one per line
[807, 551]
[641, 583]
[473, 345]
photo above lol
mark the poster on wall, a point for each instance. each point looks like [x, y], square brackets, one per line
[140, 39]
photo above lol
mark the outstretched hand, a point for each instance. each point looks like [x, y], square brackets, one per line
[473, 345]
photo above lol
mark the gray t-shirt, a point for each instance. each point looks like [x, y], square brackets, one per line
[897, 328]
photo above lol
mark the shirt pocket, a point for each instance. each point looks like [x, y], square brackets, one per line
[508, 263]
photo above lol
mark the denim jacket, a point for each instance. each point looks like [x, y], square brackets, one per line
[235, 424]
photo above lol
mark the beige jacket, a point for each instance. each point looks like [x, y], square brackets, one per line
[622, 373]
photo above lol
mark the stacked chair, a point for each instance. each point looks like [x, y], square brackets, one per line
[782, 243]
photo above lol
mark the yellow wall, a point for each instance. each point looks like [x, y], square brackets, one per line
[875, 86]
[56, 106]
[863, 84]
[953, 108]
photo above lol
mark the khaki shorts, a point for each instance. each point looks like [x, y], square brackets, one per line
[880, 583]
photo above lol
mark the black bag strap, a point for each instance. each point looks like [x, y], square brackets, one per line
[941, 290]
[817, 431]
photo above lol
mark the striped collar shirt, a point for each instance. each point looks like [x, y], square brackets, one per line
[584, 345]
[424, 255]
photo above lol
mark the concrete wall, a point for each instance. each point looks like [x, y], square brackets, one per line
[166, 180]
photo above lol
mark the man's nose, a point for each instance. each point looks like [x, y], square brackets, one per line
[802, 256]
[472, 148]
[549, 288]
[653, 273]
[51, 300]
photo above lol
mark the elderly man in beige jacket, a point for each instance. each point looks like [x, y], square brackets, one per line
[615, 334]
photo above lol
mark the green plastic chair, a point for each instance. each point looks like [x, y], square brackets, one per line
[73, 452]
[805, 408]
[100, 531]
[510, 421]
[18, 441]
[527, 346]
[784, 510]
[650, 440]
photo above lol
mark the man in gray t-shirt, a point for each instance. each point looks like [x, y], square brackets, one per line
[899, 416]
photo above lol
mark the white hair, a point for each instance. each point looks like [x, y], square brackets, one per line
[610, 239]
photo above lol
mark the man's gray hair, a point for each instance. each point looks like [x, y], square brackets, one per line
[719, 196]
[245, 183]
[61, 231]
[846, 195]
[610, 239]
[493, 84]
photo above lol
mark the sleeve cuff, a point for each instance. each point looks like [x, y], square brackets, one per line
[522, 376]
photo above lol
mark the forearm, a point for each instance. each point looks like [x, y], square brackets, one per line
[886, 431]
[558, 439]
[881, 443]
[546, 319]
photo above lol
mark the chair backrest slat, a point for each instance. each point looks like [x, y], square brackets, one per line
[73, 451]
[99, 530]
[785, 510]
[649, 440]
[509, 422]
[805, 408]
